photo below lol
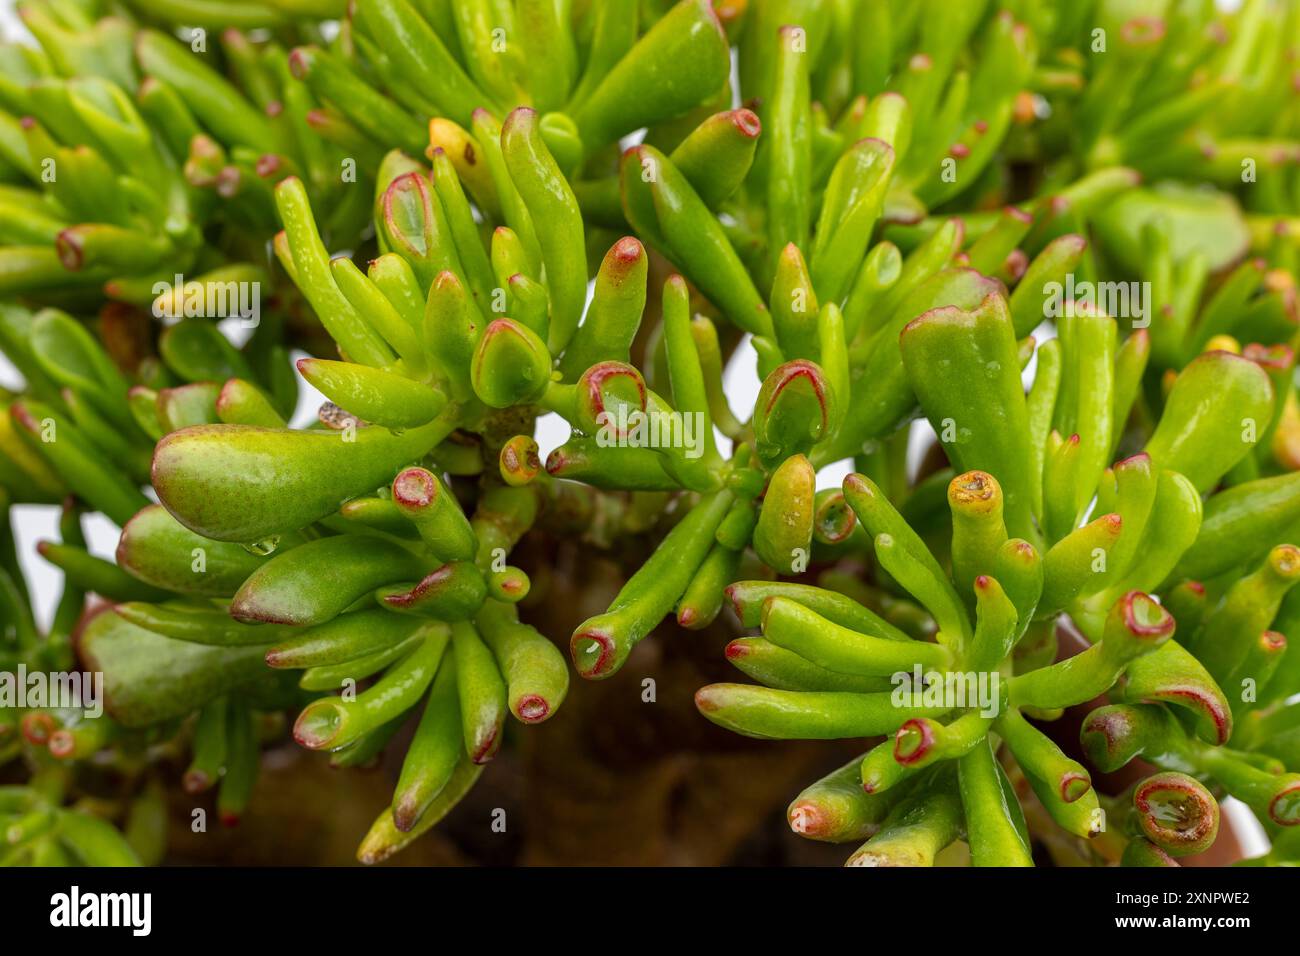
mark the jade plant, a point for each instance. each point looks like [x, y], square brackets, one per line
[58, 816]
[132, 157]
[1011, 269]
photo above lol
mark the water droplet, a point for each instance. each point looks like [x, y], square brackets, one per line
[264, 547]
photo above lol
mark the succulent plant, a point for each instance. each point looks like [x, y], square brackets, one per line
[1015, 270]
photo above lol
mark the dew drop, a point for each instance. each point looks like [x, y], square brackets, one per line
[264, 547]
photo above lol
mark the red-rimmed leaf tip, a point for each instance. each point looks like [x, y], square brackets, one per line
[1176, 813]
[593, 652]
[62, 743]
[913, 741]
[532, 708]
[414, 488]
[1074, 785]
[1144, 618]
[747, 122]
[1284, 807]
[37, 728]
[69, 248]
[318, 724]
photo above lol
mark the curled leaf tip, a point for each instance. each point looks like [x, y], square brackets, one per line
[1204, 701]
[1284, 807]
[414, 488]
[1176, 813]
[37, 728]
[603, 390]
[519, 461]
[747, 122]
[1074, 785]
[975, 491]
[61, 743]
[593, 653]
[1146, 619]
[913, 741]
[532, 708]
[793, 411]
[318, 724]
